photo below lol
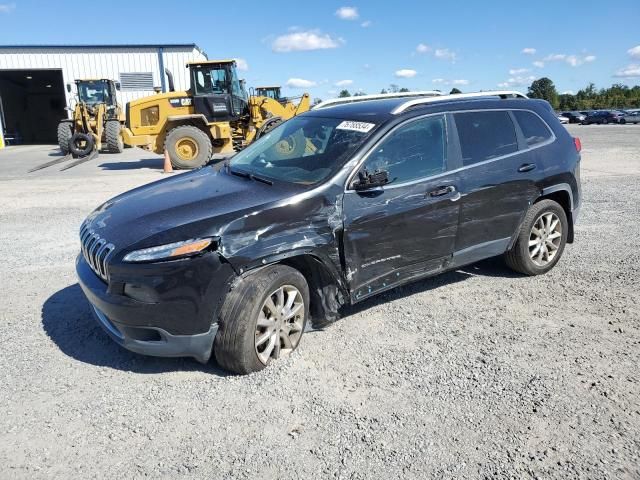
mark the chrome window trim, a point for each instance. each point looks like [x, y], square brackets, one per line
[460, 169]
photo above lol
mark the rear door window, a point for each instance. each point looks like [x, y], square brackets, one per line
[535, 131]
[485, 135]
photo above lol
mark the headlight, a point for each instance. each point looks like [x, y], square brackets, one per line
[169, 251]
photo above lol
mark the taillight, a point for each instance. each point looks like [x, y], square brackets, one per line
[577, 143]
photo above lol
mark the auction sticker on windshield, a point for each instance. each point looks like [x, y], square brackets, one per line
[356, 126]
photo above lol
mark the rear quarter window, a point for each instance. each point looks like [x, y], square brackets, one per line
[535, 131]
[485, 135]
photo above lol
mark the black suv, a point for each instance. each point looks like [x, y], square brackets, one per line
[332, 207]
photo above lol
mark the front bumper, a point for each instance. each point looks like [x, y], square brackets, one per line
[158, 342]
[178, 316]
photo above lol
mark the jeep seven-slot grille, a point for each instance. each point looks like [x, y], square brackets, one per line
[96, 251]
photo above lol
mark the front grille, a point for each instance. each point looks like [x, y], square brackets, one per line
[96, 251]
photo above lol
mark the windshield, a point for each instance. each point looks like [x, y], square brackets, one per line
[210, 79]
[303, 150]
[94, 92]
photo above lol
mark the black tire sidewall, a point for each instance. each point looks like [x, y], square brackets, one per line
[115, 142]
[64, 133]
[81, 152]
[523, 240]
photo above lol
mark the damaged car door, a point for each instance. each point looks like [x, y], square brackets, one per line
[401, 208]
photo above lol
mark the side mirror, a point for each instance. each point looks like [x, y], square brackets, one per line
[69, 87]
[117, 85]
[367, 181]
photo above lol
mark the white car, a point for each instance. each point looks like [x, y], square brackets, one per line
[563, 119]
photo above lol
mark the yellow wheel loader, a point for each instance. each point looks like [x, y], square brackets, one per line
[97, 120]
[215, 116]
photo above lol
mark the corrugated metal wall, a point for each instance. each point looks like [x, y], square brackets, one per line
[104, 62]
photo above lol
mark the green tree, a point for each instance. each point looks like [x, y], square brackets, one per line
[316, 101]
[393, 88]
[545, 89]
[344, 93]
[404, 89]
[359, 94]
[383, 91]
[454, 90]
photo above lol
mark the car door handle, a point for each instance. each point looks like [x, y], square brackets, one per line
[444, 190]
[527, 167]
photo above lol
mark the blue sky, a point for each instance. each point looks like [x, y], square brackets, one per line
[324, 46]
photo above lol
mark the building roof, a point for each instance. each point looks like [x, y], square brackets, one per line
[96, 46]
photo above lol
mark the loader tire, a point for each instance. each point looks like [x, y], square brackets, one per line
[188, 147]
[81, 144]
[113, 134]
[65, 132]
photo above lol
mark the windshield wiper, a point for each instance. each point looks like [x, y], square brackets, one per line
[251, 176]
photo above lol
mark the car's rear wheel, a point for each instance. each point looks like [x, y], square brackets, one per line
[605, 121]
[541, 240]
[262, 319]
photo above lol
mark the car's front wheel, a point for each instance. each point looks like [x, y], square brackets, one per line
[262, 319]
[541, 240]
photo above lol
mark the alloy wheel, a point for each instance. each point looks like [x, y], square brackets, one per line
[545, 239]
[280, 323]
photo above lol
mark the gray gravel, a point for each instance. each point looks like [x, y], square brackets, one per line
[477, 373]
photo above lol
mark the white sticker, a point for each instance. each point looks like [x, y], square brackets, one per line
[356, 126]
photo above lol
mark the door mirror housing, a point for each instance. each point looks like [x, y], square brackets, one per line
[118, 86]
[69, 87]
[367, 181]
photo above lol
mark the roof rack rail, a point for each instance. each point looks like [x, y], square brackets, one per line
[361, 98]
[489, 93]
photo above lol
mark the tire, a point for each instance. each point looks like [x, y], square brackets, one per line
[65, 132]
[188, 147]
[519, 258]
[623, 121]
[605, 121]
[235, 345]
[81, 144]
[112, 133]
[268, 126]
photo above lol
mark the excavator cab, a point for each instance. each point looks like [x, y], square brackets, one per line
[216, 90]
[269, 92]
[94, 92]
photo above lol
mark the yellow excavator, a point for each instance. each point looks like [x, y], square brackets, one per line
[215, 116]
[97, 120]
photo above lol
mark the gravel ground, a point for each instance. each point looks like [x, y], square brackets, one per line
[477, 373]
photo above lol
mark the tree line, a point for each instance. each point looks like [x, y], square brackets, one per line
[588, 98]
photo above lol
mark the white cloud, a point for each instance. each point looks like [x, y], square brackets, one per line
[302, 41]
[538, 64]
[347, 13]
[529, 51]
[444, 81]
[634, 52]
[567, 92]
[517, 81]
[405, 73]
[332, 92]
[365, 24]
[7, 7]
[518, 71]
[300, 83]
[630, 71]
[445, 54]
[343, 83]
[573, 60]
[423, 48]
[242, 64]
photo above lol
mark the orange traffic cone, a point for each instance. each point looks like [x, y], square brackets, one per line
[168, 168]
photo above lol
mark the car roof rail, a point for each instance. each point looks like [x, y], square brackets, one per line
[361, 98]
[457, 96]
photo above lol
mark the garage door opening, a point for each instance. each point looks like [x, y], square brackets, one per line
[31, 104]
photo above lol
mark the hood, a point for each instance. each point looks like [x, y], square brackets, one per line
[189, 205]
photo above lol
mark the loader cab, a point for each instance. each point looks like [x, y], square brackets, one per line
[216, 90]
[269, 92]
[94, 92]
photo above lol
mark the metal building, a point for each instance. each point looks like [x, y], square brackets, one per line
[34, 79]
